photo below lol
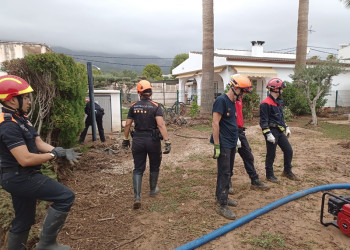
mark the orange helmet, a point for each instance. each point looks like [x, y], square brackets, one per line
[143, 85]
[240, 81]
[11, 86]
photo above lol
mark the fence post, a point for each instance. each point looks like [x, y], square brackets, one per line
[92, 100]
[336, 99]
[177, 102]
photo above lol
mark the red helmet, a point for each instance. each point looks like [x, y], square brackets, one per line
[240, 81]
[275, 83]
[13, 86]
[143, 85]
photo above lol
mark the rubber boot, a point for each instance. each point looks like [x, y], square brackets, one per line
[52, 225]
[17, 241]
[137, 181]
[153, 179]
[230, 190]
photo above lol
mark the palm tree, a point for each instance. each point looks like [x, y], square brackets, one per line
[302, 38]
[346, 2]
[207, 91]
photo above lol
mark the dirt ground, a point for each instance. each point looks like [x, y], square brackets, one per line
[102, 216]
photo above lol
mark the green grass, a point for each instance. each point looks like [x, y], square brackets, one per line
[124, 113]
[335, 131]
[266, 240]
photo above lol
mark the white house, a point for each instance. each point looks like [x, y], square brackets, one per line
[15, 50]
[258, 65]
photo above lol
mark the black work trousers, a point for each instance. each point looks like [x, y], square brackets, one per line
[283, 143]
[246, 153]
[28, 187]
[88, 123]
[225, 164]
[143, 147]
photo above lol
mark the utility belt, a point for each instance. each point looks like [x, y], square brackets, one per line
[274, 125]
[154, 133]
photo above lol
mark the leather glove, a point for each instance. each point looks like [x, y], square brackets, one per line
[216, 151]
[167, 147]
[69, 154]
[126, 144]
[239, 144]
[288, 133]
[270, 138]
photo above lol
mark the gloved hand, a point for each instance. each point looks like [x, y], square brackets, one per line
[72, 156]
[167, 147]
[288, 133]
[270, 138]
[216, 151]
[59, 152]
[126, 144]
[239, 144]
[69, 154]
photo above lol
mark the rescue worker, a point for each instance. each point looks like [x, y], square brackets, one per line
[149, 130]
[22, 152]
[224, 138]
[99, 112]
[244, 85]
[275, 130]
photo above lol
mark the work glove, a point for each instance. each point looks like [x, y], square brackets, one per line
[288, 133]
[126, 144]
[167, 147]
[68, 154]
[216, 151]
[270, 138]
[239, 144]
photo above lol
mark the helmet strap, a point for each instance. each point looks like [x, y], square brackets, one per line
[20, 105]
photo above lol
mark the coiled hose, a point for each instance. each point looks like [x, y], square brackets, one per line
[251, 216]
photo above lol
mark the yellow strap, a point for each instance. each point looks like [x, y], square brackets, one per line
[266, 131]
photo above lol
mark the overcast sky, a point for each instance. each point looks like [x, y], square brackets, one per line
[166, 28]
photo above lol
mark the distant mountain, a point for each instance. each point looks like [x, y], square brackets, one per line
[117, 62]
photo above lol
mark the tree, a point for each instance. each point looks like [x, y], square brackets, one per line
[316, 81]
[152, 72]
[178, 59]
[207, 91]
[302, 38]
[346, 2]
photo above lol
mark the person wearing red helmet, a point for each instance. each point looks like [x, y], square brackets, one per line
[22, 152]
[150, 129]
[243, 149]
[276, 131]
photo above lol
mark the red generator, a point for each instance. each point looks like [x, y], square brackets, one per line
[339, 207]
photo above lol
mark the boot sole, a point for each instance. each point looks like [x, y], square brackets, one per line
[137, 205]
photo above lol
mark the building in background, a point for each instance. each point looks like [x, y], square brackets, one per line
[15, 50]
[259, 66]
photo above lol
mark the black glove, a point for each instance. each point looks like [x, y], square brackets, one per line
[69, 154]
[167, 147]
[126, 144]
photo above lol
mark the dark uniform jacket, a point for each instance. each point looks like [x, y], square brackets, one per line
[271, 113]
[15, 131]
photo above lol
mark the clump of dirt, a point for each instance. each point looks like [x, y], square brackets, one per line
[344, 144]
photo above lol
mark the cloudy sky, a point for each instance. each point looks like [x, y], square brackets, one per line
[166, 28]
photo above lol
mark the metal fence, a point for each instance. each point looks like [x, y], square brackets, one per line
[338, 98]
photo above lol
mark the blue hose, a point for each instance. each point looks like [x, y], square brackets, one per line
[251, 216]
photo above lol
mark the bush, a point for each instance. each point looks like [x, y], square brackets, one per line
[194, 107]
[294, 98]
[250, 102]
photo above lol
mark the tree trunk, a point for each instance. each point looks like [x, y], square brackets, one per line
[207, 91]
[302, 38]
[313, 113]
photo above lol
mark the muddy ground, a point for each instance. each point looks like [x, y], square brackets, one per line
[102, 216]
